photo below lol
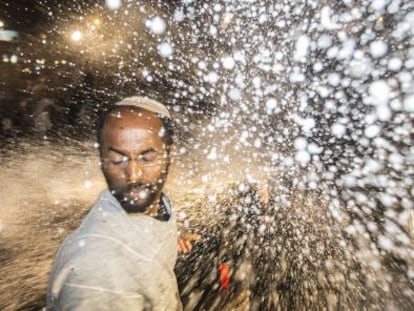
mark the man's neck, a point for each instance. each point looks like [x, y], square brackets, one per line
[154, 208]
[160, 212]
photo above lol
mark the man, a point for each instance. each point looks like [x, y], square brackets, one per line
[123, 254]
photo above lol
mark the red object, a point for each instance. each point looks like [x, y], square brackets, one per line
[224, 271]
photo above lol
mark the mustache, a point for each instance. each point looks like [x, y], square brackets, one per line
[137, 185]
[122, 190]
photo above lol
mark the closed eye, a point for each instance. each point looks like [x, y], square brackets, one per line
[119, 162]
[148, 155]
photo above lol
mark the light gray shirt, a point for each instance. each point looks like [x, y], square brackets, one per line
[115, 261]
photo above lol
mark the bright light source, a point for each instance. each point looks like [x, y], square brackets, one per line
[76, 35]
[97, 21]
[13, 59]
[113, 4]
[8, 35]
[1, 24]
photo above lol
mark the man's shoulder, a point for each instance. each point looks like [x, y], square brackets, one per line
[106, 203]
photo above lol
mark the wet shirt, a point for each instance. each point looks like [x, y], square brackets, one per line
[117, 262]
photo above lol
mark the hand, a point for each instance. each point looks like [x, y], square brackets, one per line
[185, 241]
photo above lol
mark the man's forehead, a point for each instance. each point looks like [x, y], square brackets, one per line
[123, 111]
[133, 117]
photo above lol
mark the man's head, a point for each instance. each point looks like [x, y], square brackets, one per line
[135, 138]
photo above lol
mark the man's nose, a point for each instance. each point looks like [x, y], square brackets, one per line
[134, 171]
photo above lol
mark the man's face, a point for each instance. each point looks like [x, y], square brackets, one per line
[134, 158]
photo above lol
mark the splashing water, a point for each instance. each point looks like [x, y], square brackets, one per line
[315, 100]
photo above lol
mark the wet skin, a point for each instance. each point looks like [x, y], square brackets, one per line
[135, 159]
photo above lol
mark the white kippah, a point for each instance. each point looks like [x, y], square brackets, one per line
[145, 103]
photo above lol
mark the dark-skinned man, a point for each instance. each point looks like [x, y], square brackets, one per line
[123, 254]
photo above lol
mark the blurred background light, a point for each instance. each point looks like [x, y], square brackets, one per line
[113, 4]
[76, 36]
[8, 35]
[13, 59]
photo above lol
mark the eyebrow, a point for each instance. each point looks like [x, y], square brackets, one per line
[117, 151]
[149, 150]
[146, 151]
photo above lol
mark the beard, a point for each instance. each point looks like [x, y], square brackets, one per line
[137, 197]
